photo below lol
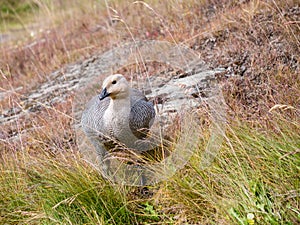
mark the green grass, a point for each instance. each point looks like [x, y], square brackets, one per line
[255, 172]
[40, 189]
[257, 169]
[9, 9]
[15, 14]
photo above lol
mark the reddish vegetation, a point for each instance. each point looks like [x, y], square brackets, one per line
[258, 44]
[256, 41]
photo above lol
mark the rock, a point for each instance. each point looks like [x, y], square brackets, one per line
[169, 91]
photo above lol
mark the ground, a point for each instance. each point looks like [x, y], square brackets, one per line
[257, 171]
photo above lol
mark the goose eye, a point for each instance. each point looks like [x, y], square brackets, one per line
[114, 82]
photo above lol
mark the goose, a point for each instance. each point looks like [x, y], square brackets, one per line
[119, 114]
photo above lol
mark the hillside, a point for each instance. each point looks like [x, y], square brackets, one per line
[49, 49]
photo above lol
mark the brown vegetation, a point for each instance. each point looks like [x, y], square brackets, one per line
[257, 42]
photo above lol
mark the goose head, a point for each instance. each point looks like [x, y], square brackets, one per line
[115, 86]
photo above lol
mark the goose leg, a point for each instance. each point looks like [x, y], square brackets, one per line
[101, 151]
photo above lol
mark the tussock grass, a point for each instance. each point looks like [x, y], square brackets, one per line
[38, 188]
[43, 178]
[256, 171]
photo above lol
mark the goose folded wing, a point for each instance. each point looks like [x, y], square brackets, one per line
[141, 118]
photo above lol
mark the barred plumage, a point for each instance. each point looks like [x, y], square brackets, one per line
[120, 114]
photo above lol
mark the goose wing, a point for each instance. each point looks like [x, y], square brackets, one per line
[142, 114]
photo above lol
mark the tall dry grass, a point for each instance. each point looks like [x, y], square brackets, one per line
[44, 180]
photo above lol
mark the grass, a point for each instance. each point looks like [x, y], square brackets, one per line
[255, 172]
[44, 179]
[57, 190]
[16, 13]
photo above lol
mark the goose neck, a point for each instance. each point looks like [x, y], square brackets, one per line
[118, 105]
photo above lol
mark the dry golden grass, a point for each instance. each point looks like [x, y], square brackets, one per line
[44, 177]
